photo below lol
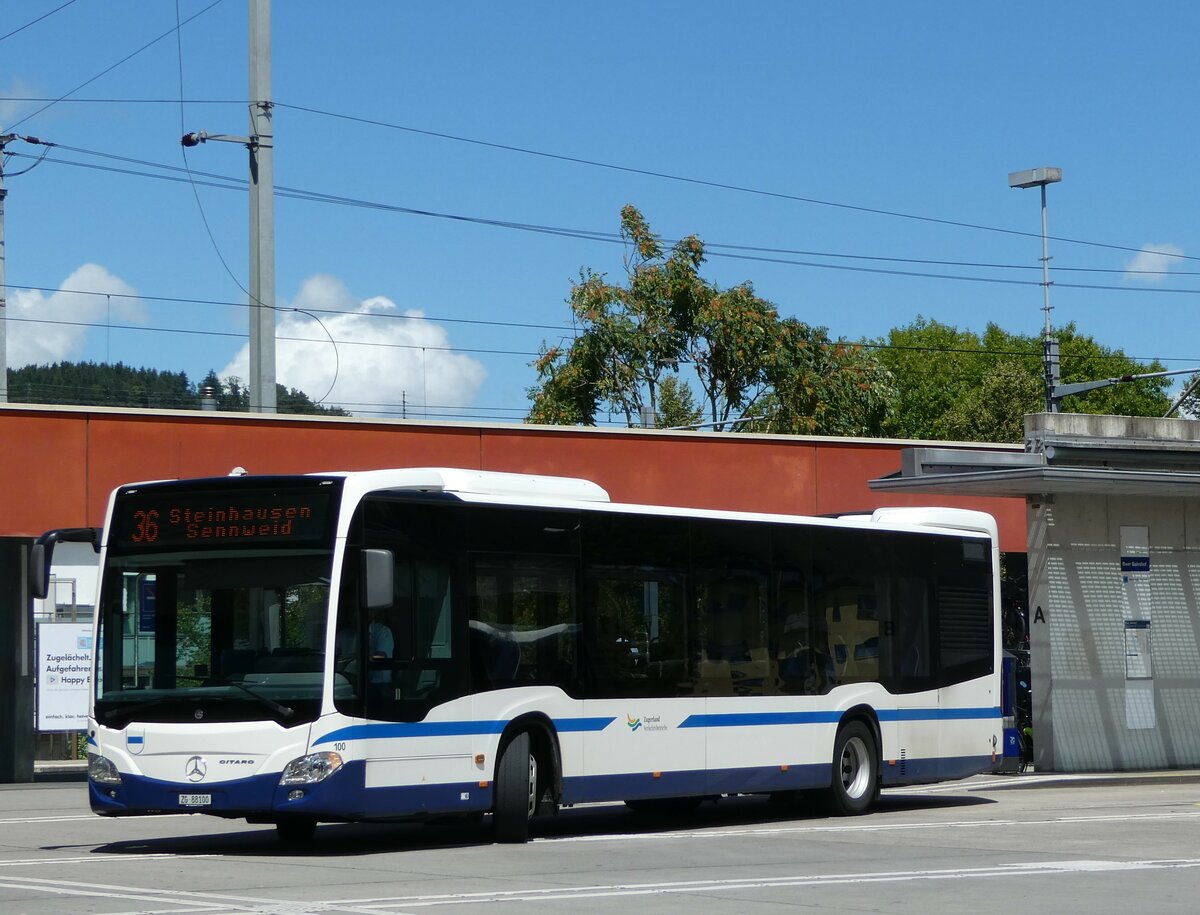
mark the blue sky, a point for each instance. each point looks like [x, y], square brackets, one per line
[920, 109]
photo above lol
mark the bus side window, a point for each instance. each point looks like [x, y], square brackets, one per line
[637, 644]
[523, 622]
[729, 567]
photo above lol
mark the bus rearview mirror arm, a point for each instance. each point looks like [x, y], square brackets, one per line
[41, 554]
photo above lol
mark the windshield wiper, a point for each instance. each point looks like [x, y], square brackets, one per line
[278, 708]
[138, 707]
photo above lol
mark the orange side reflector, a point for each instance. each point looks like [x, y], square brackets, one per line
[483, 784]
[891, 762]
[479, 759]
[656, 774]
[783, 768]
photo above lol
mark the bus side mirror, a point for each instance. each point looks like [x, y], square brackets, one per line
[41, 555]
[376, 577]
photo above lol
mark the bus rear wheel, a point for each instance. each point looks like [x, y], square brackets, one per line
[516, 791]
[855, 770]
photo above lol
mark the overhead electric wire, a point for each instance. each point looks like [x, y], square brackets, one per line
[744, 189]
[607, 237]
[296, 193]
[631, 169]
[122, 101]
[331, 311]
[109, 69]
[865, 344]
[221, 333]
[232, 183]
[37, 20]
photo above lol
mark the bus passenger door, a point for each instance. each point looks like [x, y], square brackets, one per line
[641, 686]
[912, 750]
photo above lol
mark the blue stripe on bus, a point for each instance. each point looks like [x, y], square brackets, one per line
[939, 714]
[582, 724]
[386, 730]
[751, 719]
[766, 719]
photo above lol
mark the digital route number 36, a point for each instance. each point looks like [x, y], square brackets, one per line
[145, 526]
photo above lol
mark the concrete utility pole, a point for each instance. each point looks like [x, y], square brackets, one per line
[261, 144]
[262, 213]
[5, 139]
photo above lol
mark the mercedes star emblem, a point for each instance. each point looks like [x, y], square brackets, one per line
[195, 769]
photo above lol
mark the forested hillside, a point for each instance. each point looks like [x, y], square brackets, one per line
[103, 385]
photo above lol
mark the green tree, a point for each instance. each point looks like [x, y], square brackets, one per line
[676, 405]
[959, 385]
[631, 336]
[1189, 406]
[995, 411]
[819, 386]
[638, 338]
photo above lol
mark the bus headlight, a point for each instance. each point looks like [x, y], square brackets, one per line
[102, 771]
[308, 770]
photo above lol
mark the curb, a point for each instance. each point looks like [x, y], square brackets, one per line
[60, 770]
[1092, 779]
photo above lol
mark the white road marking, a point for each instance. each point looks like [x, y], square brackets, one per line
[181, 900]
[84, 816]
[1001, 782]
[98, 858]
[873, 825]
[562, 894]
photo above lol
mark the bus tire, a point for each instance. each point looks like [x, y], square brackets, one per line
[516, 791]
[296, 830]
[855, 770]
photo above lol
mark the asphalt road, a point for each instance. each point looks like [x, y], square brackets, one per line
[1018, 844]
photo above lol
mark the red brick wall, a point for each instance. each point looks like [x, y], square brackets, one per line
[59, 465]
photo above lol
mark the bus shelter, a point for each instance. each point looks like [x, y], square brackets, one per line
[1113, 517]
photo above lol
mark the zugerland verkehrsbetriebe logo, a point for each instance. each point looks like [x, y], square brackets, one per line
[645, 723]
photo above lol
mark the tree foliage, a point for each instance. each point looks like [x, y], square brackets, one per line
[1189, 404]
[644, 343]
[958, 385]
[118, 385]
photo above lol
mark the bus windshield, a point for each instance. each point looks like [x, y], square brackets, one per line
[213, 630]
[234, 636]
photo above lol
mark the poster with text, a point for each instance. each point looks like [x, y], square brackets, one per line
[64, 675]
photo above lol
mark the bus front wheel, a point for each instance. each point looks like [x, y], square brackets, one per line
[855, 770]
[516, 791]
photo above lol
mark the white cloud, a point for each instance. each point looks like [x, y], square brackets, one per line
[1157, 259]
[45, 328]
[10, 109]
[385, 362]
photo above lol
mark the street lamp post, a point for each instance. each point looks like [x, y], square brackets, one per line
[1040, 177]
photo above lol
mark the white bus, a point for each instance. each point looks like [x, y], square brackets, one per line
[393, 644]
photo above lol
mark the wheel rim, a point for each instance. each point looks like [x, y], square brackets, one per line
[856, 768]
[532, 803]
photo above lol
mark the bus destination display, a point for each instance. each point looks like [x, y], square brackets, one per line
[212, 519]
